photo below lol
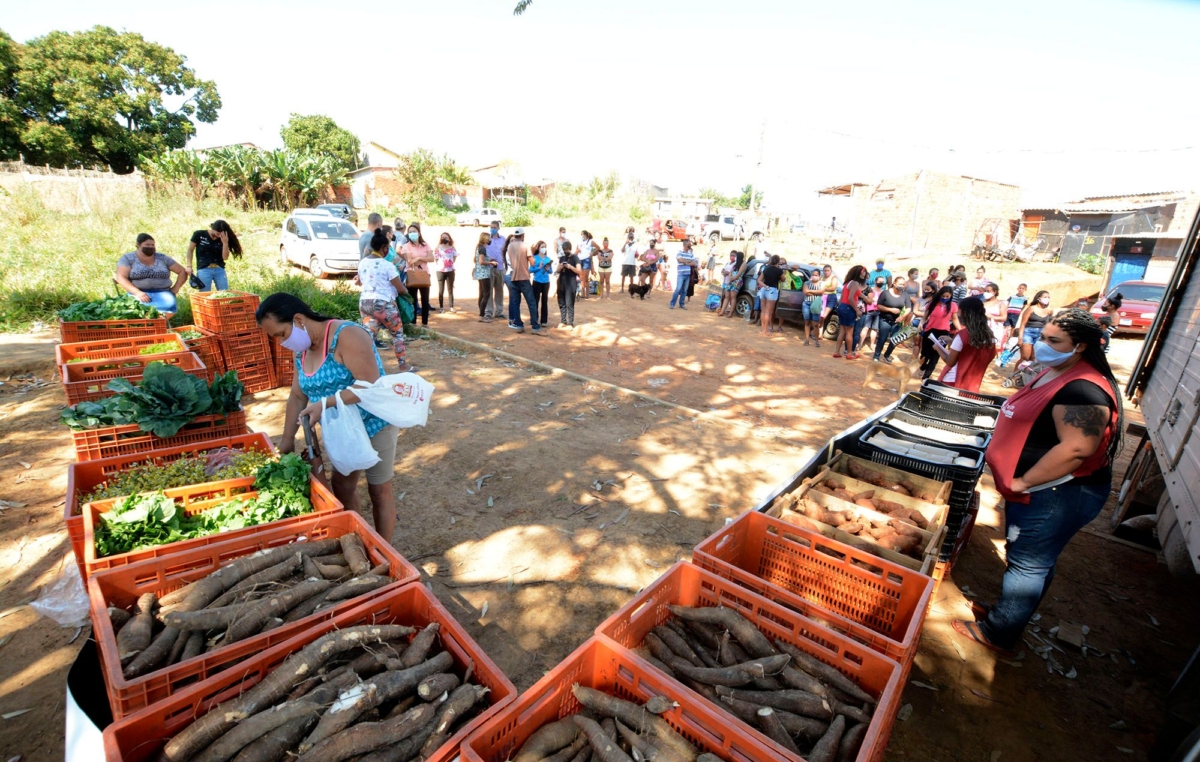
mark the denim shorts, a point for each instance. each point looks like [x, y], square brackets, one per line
[831, 300]
[871, 320]
[812, 310]
[768, 293]
[846, 315]
[1031, 335]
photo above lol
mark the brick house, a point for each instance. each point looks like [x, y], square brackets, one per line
[923, 212]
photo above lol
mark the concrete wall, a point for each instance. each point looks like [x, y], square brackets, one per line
[930, 213]
[75, 195]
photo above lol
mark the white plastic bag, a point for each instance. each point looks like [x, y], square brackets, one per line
[401, 399]
[64, 600]
[347, 445]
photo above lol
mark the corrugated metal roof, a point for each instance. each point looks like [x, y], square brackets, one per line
[1109, 208]
[1179, 234]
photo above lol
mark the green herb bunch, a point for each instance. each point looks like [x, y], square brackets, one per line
[184, 472]
[163, 402]
[160, 348]
[108, 308]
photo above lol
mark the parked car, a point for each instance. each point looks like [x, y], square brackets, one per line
[477, 217]
[726, 227]
[791, 302]
[325, 244]
[670, 230]
[306, 212]
[1140, 301]
[345, 211]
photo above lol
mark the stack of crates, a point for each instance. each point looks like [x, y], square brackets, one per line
[244, 346]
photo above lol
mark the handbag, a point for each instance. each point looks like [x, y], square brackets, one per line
[418, 278]
[408, 311]
[481, 272]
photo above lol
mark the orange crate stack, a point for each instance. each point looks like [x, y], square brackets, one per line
[249, 354]
[113, 348]
[208, 347]
[284, 362]
[851, 591]
[87, 381]
[225, 312]
[101, 330]
[113, 441]
[686, 585]
[607, 668]
[83, 478]
[140, 737]
[194, 500]
[122, 586]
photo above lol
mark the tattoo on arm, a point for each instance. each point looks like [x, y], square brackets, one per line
[1090, 419]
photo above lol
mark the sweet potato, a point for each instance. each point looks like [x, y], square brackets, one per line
[880, 532]
[833, 518]
[770, 725]
[834, 483]
[866, 494]
[851, 527]
[812, 509]
[899, 542]
[886, 506]
[844, 495]
[827, 747]
[864, 502]
[800, 520]
[906, 529]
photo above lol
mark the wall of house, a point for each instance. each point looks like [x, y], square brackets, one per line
[930, 212]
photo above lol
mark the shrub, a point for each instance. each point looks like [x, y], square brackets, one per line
[1091, 263]
[534, 205]
[513, 214]
[637, 213]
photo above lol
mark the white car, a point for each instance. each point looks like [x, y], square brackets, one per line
[477, 217]
[325, 244]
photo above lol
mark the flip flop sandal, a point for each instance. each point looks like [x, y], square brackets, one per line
[980, 610]
[971, 630]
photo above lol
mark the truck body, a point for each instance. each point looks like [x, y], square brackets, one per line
[728, 227]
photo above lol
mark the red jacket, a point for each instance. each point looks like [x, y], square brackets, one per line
[972, 365]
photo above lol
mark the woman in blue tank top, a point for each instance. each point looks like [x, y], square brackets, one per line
[330, 356]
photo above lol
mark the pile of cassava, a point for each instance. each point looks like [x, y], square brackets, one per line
[251, 595]
[793, 698]
[365, 693]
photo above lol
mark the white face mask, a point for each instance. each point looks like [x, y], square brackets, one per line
[987, 296]
[297, 341]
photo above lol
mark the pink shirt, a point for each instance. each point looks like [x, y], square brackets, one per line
[411, 251]
[445, 259]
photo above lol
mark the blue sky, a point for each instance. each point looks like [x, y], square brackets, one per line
[1063, 99]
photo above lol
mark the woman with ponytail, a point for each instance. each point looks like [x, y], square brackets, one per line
[973, 349]
[213, 248]
[1051, 456]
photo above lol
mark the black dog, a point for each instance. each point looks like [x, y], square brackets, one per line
[636, 290]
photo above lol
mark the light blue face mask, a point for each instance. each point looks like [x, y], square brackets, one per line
[1048, 355]
[413, 237]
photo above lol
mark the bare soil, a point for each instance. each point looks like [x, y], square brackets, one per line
[532, 559]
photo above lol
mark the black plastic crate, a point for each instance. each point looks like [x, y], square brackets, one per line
[960, 475]
[936, 407]
[974, 398]
[958, 532]
[907, 416]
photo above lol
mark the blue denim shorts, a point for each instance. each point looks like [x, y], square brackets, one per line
[846, 315]
[1031, 335]
[812, 309]
[768, 293]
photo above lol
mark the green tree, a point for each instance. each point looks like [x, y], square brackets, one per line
[744, 199]
[107, 97]
[428, 176]
[320, 135]
[11, 119]
[719, 198]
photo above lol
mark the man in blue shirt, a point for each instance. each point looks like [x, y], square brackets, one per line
[684, 262]
[495, 252]
[374, 222]
[880, 271]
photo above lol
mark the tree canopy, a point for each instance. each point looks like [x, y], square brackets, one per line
[99, 97]
[427, 177]
[320, 135]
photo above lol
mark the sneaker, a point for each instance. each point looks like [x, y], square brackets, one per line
[382, 344]
[671, 306]
[516, 328]
[887, 360]
[539, 332]
[683, 306]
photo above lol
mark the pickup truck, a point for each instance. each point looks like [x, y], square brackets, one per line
[477, 217]
[726, 227]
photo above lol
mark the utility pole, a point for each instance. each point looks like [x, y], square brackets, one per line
[762, 139]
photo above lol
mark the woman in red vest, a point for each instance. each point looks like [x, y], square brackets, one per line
[973, 349]
[1051, 456]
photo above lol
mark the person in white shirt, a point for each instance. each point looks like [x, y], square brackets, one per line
[629, 260]
[381, 286]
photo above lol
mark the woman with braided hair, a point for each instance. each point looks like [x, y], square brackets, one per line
[1051, 456]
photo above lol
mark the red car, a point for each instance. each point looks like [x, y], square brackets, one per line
[1140, 301]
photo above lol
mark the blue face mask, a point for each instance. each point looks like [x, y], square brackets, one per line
[1048, 355]
[413, 237]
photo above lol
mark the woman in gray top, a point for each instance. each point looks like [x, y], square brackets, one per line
[146, 275]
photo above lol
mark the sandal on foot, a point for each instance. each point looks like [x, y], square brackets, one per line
[971, 630]
[980, 610]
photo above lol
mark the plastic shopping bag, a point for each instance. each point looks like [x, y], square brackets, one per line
[401, 399]
[347, 445]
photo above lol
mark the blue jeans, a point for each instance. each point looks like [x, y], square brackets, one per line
[859, 322]
[213, 276]
[1036, 534]
[518, 289]
[886, 331]
[681, 284]
[163, 301]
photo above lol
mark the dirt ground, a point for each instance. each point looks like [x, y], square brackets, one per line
[535, 557]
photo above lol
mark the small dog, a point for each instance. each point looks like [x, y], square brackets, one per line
[902, 373]
[640, 291]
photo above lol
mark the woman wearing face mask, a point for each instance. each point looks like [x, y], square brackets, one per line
[444, 255]
[213, 249]
[814, 301]
[1051, 456]
[629, 260]
[996, 312]
[1033, 319]
[418, 256]
[540, 270]
[891, 304]
[587, 248]
[604, 266]
[731, 278]
[146, 276]
[939, 321]
[871, 316]
[973, 349]
[849, 307]
[381, 286]
[482, 260]
[1111, 318]
[331, 355]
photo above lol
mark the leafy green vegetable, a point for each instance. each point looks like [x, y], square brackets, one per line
[108, 308]
[166, 400]
[110, 411]
[211, 466]
[160, 348]
[225, 295]
[226, 392]
[190, 335]
[290, 472]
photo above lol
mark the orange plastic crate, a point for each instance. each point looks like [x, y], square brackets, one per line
[193, 500]
[113, 441]
[208, 347]
[113, 348]
[249, 353]
[87, 381]
[686, 585]
[225, 315]
[98, 330]
[84, 477]
[284, 365]
[851, 591]
[140, 737]
[600, 665]
[122, 587]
